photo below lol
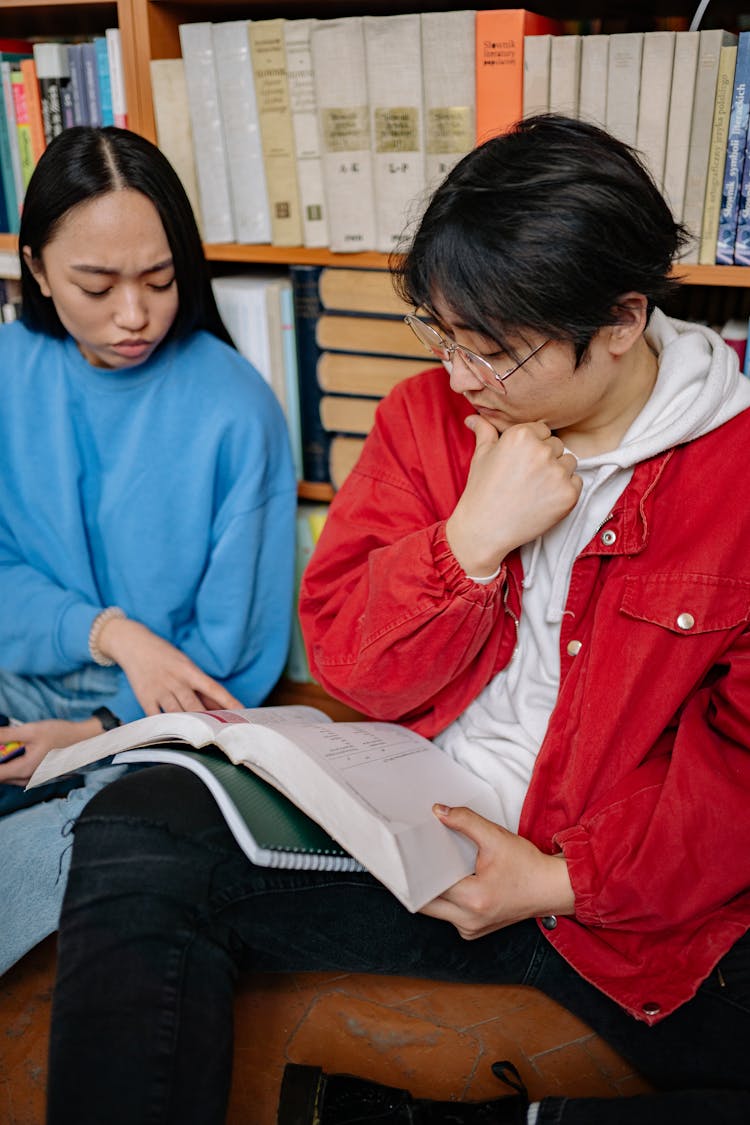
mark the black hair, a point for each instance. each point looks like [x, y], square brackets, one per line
[543, 228]
[84, 162]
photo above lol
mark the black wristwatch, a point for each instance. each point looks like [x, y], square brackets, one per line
[106, 718]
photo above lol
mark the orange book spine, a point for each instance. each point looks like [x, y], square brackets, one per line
[499, 65]
[34, 107]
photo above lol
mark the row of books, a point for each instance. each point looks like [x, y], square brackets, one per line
[682, 99]
[334, 132]
[331, 342]
[47, 87]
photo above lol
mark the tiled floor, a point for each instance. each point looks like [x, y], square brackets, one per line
[436, 1039]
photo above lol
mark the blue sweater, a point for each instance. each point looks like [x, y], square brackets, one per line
[167, 490]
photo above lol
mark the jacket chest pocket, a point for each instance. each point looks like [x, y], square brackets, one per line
[687, 604]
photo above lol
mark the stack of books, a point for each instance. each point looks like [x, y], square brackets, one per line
[47, 87]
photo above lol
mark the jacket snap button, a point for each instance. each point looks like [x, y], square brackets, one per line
[685, 621]
[549, 921]
[574, 647]
[651, 1008]
[608, 538]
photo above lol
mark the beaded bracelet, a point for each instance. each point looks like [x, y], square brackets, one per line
[108, 614]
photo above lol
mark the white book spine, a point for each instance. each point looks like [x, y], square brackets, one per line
[564, 74]
[449, 90]
[174, 134]
[623, 84]
[707, 72]
[208, 133]
[592, 93]
[537, 50]
[338, 51]
[680, 119]
[653, 104]
[239, 112]
[394, 83]
[306, 130]
[117, 76]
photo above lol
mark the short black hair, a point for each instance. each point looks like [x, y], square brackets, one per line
[543, 228]
[84, 162]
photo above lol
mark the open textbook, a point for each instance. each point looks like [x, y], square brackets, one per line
[370, 785]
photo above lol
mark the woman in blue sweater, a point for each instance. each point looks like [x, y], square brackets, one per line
[147, 519]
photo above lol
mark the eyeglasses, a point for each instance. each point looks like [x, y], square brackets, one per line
[445, 350]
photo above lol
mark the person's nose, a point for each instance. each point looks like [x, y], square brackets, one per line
[462, 377]
[131, 313]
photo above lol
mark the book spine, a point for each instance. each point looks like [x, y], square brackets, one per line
[91, 81]
[735, 154]
[499, 65]
[291, 375]
[104, 80]
[297, 666]
[742, 236]
[173, 130]
[449, 91]
[338, 52]
[307, 310]
[592, 96]
[680, 119]
[564, 74]
[10, 161]
[23, 127]
[707, 71]
[33, 108]
[239, 112]
[393, 61]
[537, 53]
[653, 101]
[623, 84]
[717, 156]
[276, 130]
[117, 76]
[53, 75]
[78, 85]
[208, 131]
[307, 146]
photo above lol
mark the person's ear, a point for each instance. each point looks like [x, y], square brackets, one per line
[37, 271]
[631, 311]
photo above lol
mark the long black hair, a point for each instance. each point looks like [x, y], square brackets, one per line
[543, 228]
[84, 162]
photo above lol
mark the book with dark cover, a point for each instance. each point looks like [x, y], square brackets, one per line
[307, 310]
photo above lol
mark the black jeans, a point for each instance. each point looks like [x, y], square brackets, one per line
[163, 911]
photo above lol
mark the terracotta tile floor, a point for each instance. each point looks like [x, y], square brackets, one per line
[436, 1039]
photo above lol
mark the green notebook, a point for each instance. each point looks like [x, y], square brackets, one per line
[271, 831]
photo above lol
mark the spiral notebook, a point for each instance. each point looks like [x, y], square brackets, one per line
[271, 831]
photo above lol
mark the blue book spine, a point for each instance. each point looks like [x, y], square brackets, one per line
[105, 84]
[91, 80]
[291, 377]
[10, 165]
[307, 309]
[735, 159]
[78, 85]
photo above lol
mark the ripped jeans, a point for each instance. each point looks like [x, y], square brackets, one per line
[35, 840]
[163, 911]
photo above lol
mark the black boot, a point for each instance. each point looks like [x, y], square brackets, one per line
[310, 1097]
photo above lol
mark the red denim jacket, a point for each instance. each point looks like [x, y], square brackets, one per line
[643, 778]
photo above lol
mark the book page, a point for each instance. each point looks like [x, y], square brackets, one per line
[196, 728]
[392, 771]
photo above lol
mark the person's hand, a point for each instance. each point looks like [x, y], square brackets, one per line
[520, 484]
[162, 677]
[513, 879]
[38, 739]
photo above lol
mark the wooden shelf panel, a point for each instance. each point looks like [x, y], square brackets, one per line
[313, 490]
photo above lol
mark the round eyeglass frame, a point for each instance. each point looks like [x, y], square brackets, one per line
[479, 367]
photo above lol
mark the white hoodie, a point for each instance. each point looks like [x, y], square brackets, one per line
[698, 388]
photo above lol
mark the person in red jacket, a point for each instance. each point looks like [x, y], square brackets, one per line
[539, 562]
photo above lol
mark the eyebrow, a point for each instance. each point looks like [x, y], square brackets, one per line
[83, 268]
